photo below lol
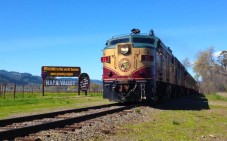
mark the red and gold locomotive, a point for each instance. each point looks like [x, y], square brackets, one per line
[138, 67]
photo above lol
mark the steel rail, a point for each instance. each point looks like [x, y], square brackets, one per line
[20, 132]
[5, 122]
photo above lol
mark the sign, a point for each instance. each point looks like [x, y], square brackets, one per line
[56, 71]
[84, 82]
[57, 82]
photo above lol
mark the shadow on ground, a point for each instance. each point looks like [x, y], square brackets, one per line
[187, 102]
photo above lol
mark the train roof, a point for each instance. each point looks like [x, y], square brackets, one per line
[144, 39]
[131, 35]
[124, 38]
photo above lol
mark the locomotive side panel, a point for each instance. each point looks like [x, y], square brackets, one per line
[172, 70]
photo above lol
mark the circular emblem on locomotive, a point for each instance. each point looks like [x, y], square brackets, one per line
[124, 64]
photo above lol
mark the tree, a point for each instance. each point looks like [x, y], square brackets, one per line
[222, 60]
[204, 69]
[186, 63]
[204, 63]
[95, 87]
[222, 69]
[212, 72]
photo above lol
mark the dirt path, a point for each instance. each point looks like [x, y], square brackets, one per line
[224, 94]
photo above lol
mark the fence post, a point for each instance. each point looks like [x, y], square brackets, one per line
[14, 91]
[0, 89]
[43, 91]
[23, 90]
[4, 91]
[32, 89]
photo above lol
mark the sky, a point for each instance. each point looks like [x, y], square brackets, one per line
[36, 33]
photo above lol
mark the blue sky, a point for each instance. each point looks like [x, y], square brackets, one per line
[36, 33]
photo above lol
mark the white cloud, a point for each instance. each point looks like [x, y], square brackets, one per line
[216, 53]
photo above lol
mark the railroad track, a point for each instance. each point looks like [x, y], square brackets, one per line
[23, 126]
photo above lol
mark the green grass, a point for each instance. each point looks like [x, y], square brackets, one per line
[216, 97]
[138, 110]
[36, 103]
[183, 125]
[180, 125]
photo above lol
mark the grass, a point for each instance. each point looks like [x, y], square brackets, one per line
[180, 125]
[164, 125]
[36, 103]
[183, 125]
[138, 110]
[216, 97]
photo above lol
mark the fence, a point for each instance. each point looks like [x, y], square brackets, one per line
[11, 88]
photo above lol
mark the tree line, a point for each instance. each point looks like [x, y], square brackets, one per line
[210, 70]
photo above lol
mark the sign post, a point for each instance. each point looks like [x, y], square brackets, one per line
[43, 79]
[83, 83]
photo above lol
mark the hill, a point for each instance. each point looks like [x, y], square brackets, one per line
[18, 78]
[26, 78]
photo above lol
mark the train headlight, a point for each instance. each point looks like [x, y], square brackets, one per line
[124, 49]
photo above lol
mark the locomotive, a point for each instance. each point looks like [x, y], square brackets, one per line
[139, 67]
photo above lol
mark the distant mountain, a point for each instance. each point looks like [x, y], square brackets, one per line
[18, 78]
[27, 78]
[96, 81]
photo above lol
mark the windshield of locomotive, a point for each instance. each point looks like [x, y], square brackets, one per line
[143, 40]
[121, 40]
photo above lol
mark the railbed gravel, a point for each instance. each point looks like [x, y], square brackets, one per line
[101, 127]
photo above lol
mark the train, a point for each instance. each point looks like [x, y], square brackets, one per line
[139, 67]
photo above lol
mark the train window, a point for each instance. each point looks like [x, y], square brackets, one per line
[172, 60]
[116, 41]
[159, 48]
[143, 40]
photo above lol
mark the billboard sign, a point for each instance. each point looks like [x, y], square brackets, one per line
[56, 71]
